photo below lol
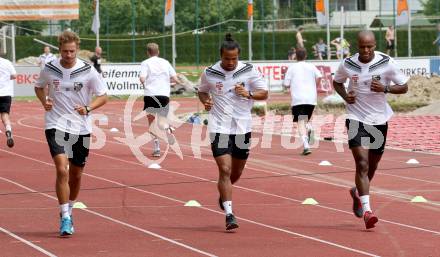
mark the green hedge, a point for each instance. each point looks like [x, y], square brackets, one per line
[266, 46]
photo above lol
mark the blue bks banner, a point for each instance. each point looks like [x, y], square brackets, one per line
[435, 66]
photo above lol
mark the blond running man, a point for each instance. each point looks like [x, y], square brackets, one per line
[71, 85]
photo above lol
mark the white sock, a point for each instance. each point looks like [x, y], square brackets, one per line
[306, 142]
[365, 200]
[71, 203]
[228, 207]
[64, 210]
[156, 144]
[8, 127]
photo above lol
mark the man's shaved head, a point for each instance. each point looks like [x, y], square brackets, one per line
[366, 46]
[366, 34]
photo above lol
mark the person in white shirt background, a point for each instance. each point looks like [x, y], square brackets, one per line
[71, 84]
[371, 75]
[7, 75]
[156, 74]
[302, 77]
[227, 90]
[46, 57]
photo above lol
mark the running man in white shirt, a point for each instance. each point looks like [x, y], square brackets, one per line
[372, 75]
[7, 75]
[46, 57]
[155, 75]
[71, 85]
[301, 78]
[228, 90]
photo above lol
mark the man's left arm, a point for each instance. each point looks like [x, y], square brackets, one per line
[397, 77]
[257, 88]
[258, 94]
[98, 88]
[376, 86]
[95, 104]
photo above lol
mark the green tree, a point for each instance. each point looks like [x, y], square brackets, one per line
[431, 7]
[116, 16]
[296, 9]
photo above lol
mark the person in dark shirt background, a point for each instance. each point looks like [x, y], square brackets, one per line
[96, 59]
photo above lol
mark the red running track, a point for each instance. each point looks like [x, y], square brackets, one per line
[136, 211]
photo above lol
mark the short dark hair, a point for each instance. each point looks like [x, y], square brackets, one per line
[229, 44]
[301, 53]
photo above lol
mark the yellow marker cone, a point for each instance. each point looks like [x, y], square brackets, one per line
[79, 205]
[192, 203]
[419, 199]
[310, 201]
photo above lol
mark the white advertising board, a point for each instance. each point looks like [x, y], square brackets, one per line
[123, 79]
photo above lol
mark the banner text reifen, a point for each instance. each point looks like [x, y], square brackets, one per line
[123, 79]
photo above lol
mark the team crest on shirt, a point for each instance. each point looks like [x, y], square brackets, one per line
[375, 77]
[355, 78]
[77, 86]
[219, 87]
[56, 85]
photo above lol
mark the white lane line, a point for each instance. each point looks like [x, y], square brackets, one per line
[107, 217]
[270, 172]
[385, 193]
[176, 200]
[29, 243]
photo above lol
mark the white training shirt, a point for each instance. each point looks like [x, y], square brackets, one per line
[157, 72]
[370, 107]
[301, 78]
[231, 114]
[69, 88]
[46, 58]
[6, 84]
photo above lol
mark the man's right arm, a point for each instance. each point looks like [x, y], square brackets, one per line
[349, 97]
[206, 100]
[341, 75]
[41, 95]
[203, 93]
[340, 89]
[40, 91]
[46, 102]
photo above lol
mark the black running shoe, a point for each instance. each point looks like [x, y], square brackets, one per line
[231, 222]
[9, 139]
[357, 205]
[220, 203]
[306, 151]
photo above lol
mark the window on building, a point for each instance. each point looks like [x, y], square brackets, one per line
[349, 5]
